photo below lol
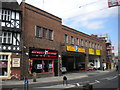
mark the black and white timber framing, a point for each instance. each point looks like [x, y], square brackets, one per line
[10, 33]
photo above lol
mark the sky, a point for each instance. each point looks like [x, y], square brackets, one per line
[87, 16]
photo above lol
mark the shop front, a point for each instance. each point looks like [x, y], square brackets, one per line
[41, 61]
[5, 65]
[73, 57]
[94, 58]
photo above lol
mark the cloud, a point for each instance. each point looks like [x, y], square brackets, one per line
[93, 25]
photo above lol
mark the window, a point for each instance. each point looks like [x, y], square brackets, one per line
[42, 66]
[66, 38]
[86, 44]
[6, 37]
[3, 57]
[50, 35]
[6, 15]
[77, 41]
[44, 32]
[82, 42]
[3, 65]
[90, 44]
[37, 31]
[72, 40]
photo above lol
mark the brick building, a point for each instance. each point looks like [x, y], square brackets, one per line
[48, 45]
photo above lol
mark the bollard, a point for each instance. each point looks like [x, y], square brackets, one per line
[65, 80]
[88, 87]
[25, 84]
[34, 77]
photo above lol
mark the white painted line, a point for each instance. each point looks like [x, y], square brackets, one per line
[97, 81]
[78, 84]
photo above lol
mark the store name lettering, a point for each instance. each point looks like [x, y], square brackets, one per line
[44, 56]
[44, 52]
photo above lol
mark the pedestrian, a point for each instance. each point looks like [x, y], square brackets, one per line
[64, 80]
[116, 67]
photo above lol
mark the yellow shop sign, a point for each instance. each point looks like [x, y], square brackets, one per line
[98, 52]
[91, 51]
[71, 48]
[81, 50]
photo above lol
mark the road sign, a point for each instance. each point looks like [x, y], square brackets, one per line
[26, 81]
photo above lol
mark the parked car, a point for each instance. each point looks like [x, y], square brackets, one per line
[64, 70]
[82, 67]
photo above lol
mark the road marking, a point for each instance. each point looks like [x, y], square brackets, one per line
[112, 78]
[96, 81]
[78, 84]
[109, 78]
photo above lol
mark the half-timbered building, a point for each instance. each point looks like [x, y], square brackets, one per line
[10, 39]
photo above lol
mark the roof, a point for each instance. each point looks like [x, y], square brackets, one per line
[10, 4]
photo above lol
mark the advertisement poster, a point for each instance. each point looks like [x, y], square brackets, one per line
[16, 62]
[39, 66]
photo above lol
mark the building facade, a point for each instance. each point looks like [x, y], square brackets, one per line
[35, 41]
[10, 42]
[48, 45]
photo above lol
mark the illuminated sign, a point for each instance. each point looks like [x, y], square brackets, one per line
[91, 51]
[81, 50]
[42, 53]
[71, 48]
[98, 52]
[113, 3]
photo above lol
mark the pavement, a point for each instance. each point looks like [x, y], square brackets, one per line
[70, 76]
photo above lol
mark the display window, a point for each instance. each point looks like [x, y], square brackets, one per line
[42, 66]
[42, 60]
[3, 65]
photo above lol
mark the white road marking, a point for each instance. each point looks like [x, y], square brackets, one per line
[96, 81]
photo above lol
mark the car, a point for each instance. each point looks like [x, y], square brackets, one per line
[81, 67]
[64, 70]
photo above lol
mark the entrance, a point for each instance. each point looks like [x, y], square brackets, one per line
[72, 60]
[3, 65]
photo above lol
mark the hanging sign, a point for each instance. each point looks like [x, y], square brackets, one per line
[113, 3]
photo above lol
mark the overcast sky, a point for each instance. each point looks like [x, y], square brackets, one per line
[88, 16]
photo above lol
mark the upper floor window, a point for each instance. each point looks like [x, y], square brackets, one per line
[5, 15]
[50, 35]
[44, 32]
[86, 44]
[77, 41]
[72, 40]
[66, 38]
[6, 37]
[82, 42]
[37, 31]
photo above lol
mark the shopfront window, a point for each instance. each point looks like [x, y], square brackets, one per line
[3, 65]
[41, 66]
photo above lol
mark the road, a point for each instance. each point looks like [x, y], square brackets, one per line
[103, 80]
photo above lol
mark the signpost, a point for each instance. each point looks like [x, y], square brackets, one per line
[25, 84]
[119, 74]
